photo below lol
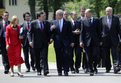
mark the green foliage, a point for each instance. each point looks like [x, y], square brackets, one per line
[98, 6]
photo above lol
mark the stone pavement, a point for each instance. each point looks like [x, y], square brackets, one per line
[53, 77]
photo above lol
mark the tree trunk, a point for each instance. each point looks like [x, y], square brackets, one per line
[32, 8]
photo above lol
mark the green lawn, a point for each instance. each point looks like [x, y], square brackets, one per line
[51, 54]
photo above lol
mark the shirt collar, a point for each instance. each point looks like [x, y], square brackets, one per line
[5, 21]
[27, 22]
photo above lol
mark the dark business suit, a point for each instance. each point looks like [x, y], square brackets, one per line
[40, 41]
[84, 63]
[119, 47]
[62, 41]
[90, 36]
[110, 40]
[3, 48]
[76, 48]
[27, 48]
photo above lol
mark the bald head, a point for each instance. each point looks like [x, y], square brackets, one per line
[88, 13]
[74, 15]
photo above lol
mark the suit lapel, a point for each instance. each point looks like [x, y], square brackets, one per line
[87, 22]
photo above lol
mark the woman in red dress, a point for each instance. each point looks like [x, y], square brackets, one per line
[13, 45]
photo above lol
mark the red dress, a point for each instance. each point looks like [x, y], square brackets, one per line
[14, 50]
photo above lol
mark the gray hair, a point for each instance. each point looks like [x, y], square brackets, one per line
[109, 8]
[89, 10]
[60, 12]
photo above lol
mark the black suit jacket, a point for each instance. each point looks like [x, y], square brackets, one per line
[88, 32]
[110, 35]
[1, 31]
[39, 38]
[74, 27]
[64, 37]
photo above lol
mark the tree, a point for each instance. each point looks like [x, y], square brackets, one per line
[32, 8]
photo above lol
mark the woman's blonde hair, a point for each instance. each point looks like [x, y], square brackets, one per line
[13, 19]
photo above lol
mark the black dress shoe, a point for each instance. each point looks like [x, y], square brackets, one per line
[95, 71]
[20, 75]
[116, 70]
[59, 74]
[46, 72]
[86, 70]
[28, 70]
[66, 73]
[91, 73]
[33, 68]
[107, 71]
[77, 70]
[38, 73]
[6, 71]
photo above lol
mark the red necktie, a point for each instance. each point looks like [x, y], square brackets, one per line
[41, 26]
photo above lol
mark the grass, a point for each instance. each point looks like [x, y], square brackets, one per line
[51, 54]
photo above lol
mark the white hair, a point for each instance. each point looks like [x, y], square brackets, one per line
[109, 8]
[60, 12]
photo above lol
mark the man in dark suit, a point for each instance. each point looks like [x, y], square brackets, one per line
[90, 36]
[62, 36]
[39, 38]
[3, 25]
[81, 18]
[26, 47]
[76, 26]
[110, 29]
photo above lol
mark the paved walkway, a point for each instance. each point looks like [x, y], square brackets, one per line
[53, 77]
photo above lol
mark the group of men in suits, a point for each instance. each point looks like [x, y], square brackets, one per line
[83, 34]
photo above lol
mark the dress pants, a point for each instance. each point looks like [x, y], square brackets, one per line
[26, 49]
[39, 54]
[62, 58]
[92, 55]
[4, 55]
[77, 50]
[106, 51]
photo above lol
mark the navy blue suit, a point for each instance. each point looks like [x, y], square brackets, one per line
[62, 41]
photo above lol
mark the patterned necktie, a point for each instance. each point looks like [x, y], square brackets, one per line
[41, 26]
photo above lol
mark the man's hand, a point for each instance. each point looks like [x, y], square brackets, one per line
[72, 44]
[31, 44]
[101, 43]
[51, 40]
[77, 31]
[52, 27]
[81, 44]
[20, 37]
[7, 46]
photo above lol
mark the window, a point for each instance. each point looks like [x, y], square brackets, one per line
[13, 2]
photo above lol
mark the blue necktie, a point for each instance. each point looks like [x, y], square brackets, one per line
[60, 26]
[90, 22]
